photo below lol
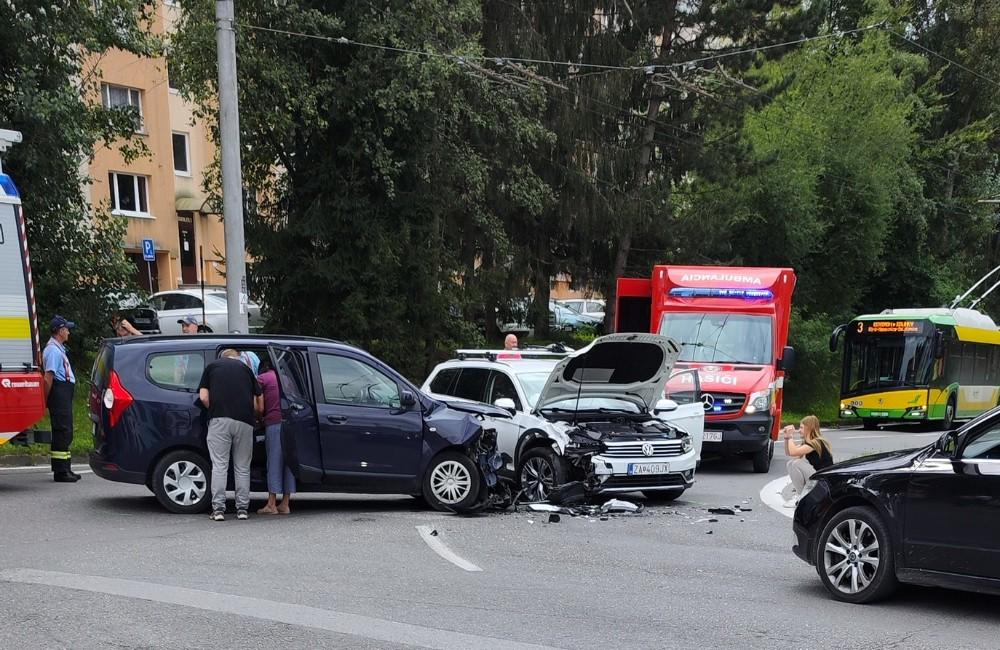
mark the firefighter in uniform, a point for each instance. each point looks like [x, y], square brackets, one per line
[59, 385]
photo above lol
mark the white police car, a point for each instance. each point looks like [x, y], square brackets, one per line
[596, 416]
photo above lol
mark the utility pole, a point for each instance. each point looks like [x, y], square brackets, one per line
[232, 176]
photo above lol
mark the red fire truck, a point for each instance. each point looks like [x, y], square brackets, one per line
[22, 394]
[732, 324]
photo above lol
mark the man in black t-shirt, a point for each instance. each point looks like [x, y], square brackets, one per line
[230, 392]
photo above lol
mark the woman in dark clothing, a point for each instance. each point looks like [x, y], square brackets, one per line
[811, 456]
[280, 479]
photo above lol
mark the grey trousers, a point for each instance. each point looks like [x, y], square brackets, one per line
[799, 470]
[224, 436]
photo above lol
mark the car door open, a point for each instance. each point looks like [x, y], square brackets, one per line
[298, 414]
[682, 405]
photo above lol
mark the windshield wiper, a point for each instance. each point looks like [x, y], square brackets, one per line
[713, 348]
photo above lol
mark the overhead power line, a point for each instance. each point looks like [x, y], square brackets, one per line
[463, 58]
[944, 58]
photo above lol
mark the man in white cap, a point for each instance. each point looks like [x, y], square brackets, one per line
[189, 324]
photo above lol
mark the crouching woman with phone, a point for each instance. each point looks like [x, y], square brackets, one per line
[811, 456]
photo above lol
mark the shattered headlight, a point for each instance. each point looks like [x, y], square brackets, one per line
[759, 401]
[686, 444]
[810, 484]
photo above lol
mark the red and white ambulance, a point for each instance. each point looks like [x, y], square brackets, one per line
[732, 325]
[22, 393]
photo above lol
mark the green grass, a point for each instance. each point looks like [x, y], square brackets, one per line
[83, 441]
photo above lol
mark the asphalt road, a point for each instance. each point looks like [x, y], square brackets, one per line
[100, 565]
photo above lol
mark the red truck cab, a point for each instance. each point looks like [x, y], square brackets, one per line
[732, 325]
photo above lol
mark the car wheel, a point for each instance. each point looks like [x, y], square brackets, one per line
[181, 482]
[451, 482]
[662, 496]
[762, 459]
[949, 414]
[539, 471]
[854, 556]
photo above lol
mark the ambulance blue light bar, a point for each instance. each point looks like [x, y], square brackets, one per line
[707, 292]
[7, 186]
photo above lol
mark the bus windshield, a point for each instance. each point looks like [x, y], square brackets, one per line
[720, 338]
[890, 361]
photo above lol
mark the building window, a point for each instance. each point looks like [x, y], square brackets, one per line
[120, 96]
[182, 155]
[171, 81]
[128, 194]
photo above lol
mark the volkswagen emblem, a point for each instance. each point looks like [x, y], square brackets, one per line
[647, 449]
[708, 401]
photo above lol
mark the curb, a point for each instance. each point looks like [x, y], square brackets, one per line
[29, 460]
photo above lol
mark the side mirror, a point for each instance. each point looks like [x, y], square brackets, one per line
[947, 443]
[835, 336]
[407, 399]
[506, 404]
[665, 406]
[787, 360]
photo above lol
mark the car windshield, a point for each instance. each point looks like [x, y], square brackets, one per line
[532, 384]
[720, 338]
[593, 404]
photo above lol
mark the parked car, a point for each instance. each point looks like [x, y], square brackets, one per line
[138, 311]
[593, 415]
[172, 306]
[585, 306]
[568, 319]
[928, 516]
[561, 318]
[357, 425]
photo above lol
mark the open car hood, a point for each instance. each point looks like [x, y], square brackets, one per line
[628, 365]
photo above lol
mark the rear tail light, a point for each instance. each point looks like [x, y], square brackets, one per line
[116, 399]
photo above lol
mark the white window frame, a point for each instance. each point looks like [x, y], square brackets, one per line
[187, 153]
[135, 186]
[134, 99]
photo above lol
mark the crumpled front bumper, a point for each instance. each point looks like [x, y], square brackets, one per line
[611, 475]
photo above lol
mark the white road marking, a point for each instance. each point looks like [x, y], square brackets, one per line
[770, 494]
[30, 469]
[888, 435]
[357, 625]
[439, 547]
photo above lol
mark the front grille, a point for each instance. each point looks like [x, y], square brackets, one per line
[725, 403]
[639, 482]
[662, 449]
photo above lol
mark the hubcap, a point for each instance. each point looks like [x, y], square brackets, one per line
[851, 556]
[537, 479]
[450, 482]
[184, 483]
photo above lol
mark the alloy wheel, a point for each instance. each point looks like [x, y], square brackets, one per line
[451, 482]
[537, 479]
[851, 556]
[185, 483]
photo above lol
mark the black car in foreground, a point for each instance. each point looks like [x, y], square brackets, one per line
[927, 516]
[350, 423]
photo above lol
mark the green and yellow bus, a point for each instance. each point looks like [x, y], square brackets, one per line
[906, 365]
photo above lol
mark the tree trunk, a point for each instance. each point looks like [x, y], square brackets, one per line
[641, 171]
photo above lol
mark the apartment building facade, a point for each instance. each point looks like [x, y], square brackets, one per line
[161, 194]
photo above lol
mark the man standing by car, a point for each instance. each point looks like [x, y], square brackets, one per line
[59, 384]
[233, 397]
[510, 343]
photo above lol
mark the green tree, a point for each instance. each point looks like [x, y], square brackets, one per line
[384, 178]
[47, 78]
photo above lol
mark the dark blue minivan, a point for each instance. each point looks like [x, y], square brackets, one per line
[351, 423]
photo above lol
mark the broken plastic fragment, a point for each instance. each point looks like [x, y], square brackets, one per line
[554, 519]
[543, 507]
[434, 533]
[617, 505]
[568, 494]
[709, 533]
[721, 511]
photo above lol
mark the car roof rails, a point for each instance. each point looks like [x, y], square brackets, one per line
[555, 351]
